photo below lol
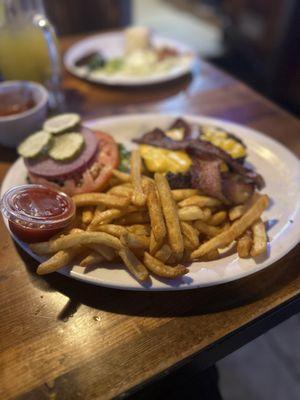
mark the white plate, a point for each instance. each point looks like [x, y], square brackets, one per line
[280, 168]
[111, 45]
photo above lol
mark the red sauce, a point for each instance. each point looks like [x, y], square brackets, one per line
[15, 102]
[36, 213]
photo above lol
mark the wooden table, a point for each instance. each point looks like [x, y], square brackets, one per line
[63, 339]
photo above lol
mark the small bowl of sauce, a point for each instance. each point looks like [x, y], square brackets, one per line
[23, 109]
[35, 213]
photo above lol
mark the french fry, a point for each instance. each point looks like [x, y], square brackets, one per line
[259, 239]
[133, 264]
[140, 229]
[114, 230]
[138, 217]
[170, 213]
[59, 260]
[156, 215]
[76, 239]
[121, 190]
[236, 229]
[106, 252]
[154, 245]
[106, 217]
[181, 194]
[138, 197]
[244, 244]
[236, 212]
[192, 213]
[163, 253]
[217, 218]
[91, 259]
[135, 241]
[160, 269]
[200, 201]
[206, 229]
[121, 176]
[87, 215]
[191, 233]
[212, 255]
[95, 199]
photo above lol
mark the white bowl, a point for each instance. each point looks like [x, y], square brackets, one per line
[14, 128]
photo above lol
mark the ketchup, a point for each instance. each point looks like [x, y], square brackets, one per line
[35, 212]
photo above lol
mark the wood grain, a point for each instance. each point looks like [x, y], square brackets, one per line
[63, 339]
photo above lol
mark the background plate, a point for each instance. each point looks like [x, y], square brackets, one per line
[111, 45]
[280, 168]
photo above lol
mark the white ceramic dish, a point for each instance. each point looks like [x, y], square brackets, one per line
[280, 168]
[111, 45]
[14, 128]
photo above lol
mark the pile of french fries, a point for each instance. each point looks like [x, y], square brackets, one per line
[153, 229]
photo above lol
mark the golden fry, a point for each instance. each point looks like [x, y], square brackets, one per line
[106, 252]
[133, 264]
[217, 218]
[140, 229]
[95, 199]
[121, 176]
[165, 271]
[138, 217]
[59, 260]
[156, 215]
[163, 253]
[236, 229]
[135, 241]
[211, 255]
[171, 215]
[244, 244]
[76, 239]
[154, 245]
[191, 233]
[192, 213]
[105, 217]
[236, 212]
[87, 215]
[200, 201]
[206, 229]
[259, 239]
[91, 259]
[138, 197]
[181, 194]
[121, 190]
[114, 230]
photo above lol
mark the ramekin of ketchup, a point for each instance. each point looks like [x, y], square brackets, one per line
[35, 212]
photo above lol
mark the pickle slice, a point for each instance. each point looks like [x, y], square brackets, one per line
[66, 146]
[35, 144]
[61, 123]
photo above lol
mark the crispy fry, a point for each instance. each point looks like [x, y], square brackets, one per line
[76, 239]
[156, 215]
[244, 244]
[59, 260]
[206, 229]
[121, 190]
[91, 259]
[138, 217]
[217, 218]
[94, 199]
[138, 197]
[212, 255]
[192, 213]
[114, 230]
[170, 213]
[235, 230]
[135, 241]
[87, 215]
[162, 270]
[200, 201]
[163, 253]
[140, 229]
[106, 252]
[154, 245]
[121, 176]
[259, 239]
[236, 212]
[105, 217]
[181, 194]
[191, 233]
[133, 264]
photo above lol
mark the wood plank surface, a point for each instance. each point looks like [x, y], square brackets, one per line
[63, 339]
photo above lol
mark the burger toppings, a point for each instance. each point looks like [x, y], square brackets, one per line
[61, 123]
[67, 146]
[35, 144]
